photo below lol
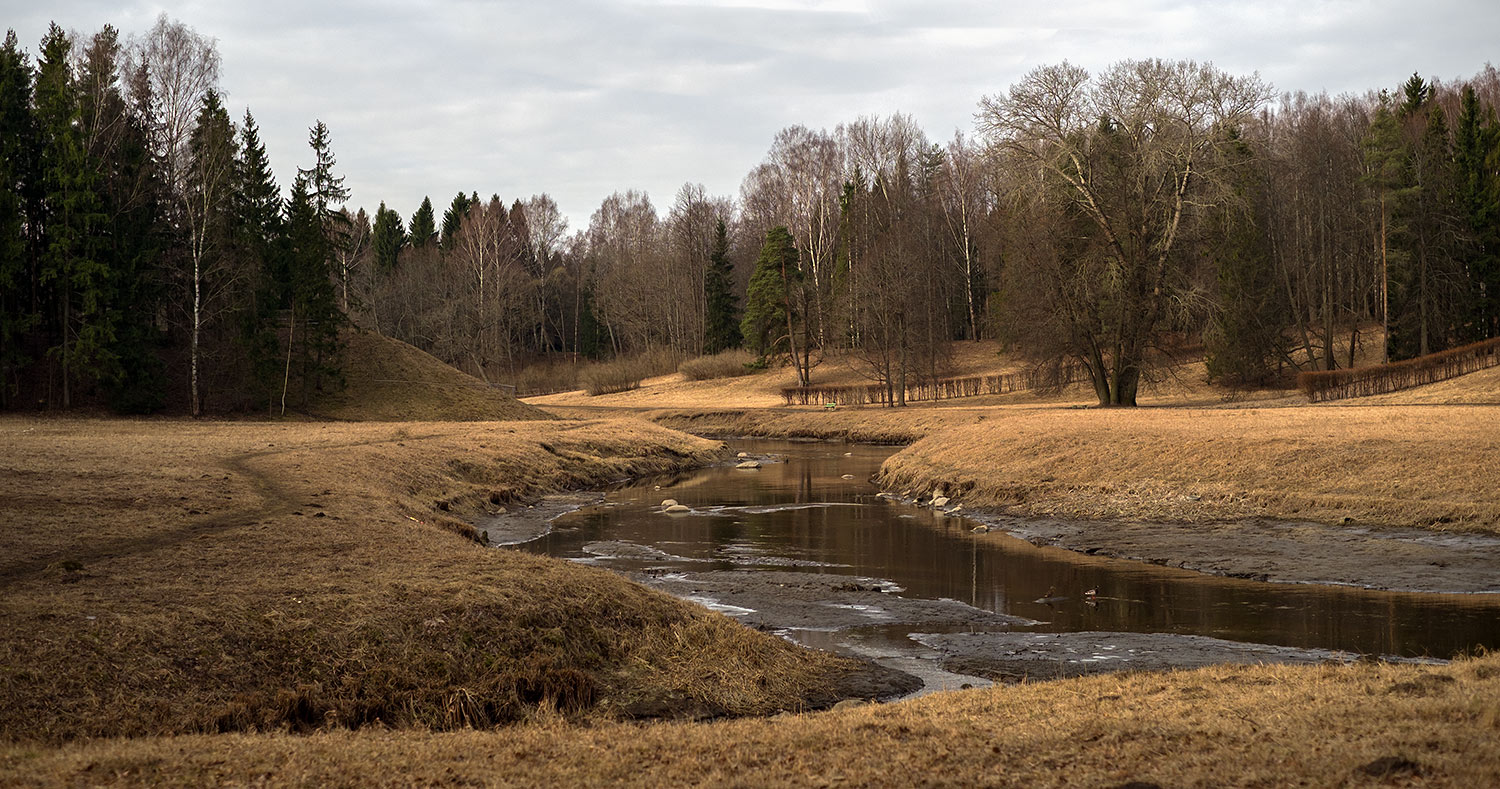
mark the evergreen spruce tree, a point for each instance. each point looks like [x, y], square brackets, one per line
[722, 331]
[325, 190]
[389, 236]
[259, 230]
[1427, 291]
[257, 197]
[119, 135]
[423, 227]
[311, 300]
[1476, 160]
[454, 217]
[1388, 175]
[1244, 337]
[17, 183]
[767, 325]
[76, 282]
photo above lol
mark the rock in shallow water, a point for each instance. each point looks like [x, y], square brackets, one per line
[749, 464]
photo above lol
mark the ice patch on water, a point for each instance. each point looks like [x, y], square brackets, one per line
[723, 608]
[620, 549]
[763, 509]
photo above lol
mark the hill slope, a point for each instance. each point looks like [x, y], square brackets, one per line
[390, 381]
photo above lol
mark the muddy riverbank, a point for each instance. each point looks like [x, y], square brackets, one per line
[1389, 559]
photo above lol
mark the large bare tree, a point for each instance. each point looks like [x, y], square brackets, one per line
[1132, 154]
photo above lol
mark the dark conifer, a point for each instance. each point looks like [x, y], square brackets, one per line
[423, 226]
[389, 237]
[722, 331]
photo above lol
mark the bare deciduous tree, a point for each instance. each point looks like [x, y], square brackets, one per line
[1132, 153]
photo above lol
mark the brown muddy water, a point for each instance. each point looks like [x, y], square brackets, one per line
[805, 547]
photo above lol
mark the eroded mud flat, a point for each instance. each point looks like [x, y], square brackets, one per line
[805, 546]
[1022, 656]
[1392, 559]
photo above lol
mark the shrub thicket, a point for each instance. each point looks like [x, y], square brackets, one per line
[728, 364]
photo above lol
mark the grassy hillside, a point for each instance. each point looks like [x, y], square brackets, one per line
[390, 381]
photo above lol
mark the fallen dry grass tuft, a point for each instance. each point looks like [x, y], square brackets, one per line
[170, 577]
[1365, 724]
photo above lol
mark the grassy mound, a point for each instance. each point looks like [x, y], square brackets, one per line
[390, 381]
[165, 578]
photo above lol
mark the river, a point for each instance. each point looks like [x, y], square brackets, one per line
[805, 546]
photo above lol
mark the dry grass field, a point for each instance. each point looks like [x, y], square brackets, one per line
[1361, 725]
[169, 577]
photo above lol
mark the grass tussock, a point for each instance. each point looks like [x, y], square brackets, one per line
[168, 578]
[1365, 724]
[1395, 466]
[725, 364]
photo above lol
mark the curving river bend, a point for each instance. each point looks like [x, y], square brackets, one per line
[805, 547]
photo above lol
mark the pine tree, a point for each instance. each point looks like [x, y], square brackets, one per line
[17, 183]
[389, 237]
[1244, 338]
[257, 197]
[722, 331]
[423, 227]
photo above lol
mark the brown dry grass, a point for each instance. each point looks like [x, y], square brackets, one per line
[1408, 466]
[1361, 725]
[168, 577]
[390, 381]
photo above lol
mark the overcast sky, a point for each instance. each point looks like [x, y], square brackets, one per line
[581, 99]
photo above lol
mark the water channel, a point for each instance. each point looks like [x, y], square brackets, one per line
[810, 521]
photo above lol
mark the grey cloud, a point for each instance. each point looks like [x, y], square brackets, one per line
[581, 99]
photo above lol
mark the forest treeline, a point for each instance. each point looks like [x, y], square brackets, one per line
[1094, 221]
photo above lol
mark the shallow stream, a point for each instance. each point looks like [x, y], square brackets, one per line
[805, 547]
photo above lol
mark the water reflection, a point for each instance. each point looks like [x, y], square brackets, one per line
[741, 519]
